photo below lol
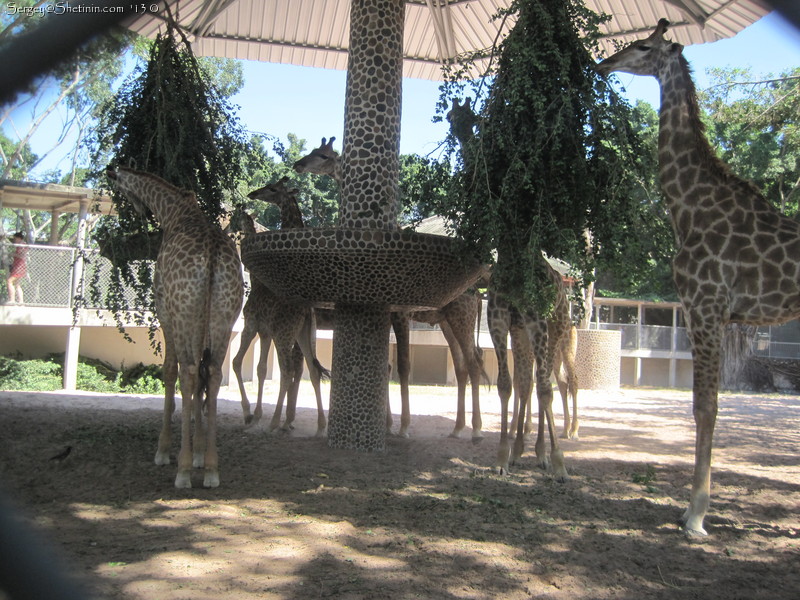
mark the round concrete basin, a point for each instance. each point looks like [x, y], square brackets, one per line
[400, 270]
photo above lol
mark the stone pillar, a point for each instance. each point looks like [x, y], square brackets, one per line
[597, 360]
[359, 378]
[371, 154]
[370, 175]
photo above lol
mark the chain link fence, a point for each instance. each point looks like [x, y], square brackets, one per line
[48, 281]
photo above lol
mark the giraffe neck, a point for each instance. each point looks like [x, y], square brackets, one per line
[291, 217]
[170, 206]
[685, 158]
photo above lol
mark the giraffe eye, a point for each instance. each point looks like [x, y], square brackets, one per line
[643, 48]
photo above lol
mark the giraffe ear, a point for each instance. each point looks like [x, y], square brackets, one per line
[676, 48]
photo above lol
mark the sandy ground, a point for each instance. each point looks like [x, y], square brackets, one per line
[429, 518]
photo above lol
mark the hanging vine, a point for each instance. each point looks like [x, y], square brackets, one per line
[553, 154]
[170, 121]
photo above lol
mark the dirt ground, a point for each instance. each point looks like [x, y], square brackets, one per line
[429, 518]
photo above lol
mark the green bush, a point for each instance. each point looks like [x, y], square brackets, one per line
[29, 375]
[44, 375]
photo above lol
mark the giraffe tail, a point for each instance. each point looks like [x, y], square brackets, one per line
[203, 376]
[323, 372]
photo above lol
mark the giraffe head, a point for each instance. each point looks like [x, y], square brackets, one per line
[276, 193]
[647, 56]
[320, 161]
[128, 182]
[139, 188]
[285, 198]
[462, 119]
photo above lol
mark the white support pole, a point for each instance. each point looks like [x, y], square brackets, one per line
[71, 358]
[74, 334]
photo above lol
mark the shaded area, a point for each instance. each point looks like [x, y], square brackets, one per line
[426, 519]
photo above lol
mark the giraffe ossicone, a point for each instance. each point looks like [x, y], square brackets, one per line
[737, 257]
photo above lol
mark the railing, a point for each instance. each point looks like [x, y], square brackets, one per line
[649, 337]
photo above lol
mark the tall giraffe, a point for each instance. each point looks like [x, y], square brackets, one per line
[737, 258]
[503, 319]
[198, 292]
[290, 325]
[456, 319]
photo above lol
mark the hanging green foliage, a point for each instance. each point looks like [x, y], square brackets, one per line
[169, 120]
[552, 155]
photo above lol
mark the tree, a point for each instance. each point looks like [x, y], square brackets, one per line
[754, 124]
[72, 90]
[553, 155]
[653, 247]
[423, 186]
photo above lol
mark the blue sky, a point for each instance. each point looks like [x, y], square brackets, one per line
[282, 99]
[279, 99]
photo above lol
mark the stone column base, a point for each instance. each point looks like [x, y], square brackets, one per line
[359, 378]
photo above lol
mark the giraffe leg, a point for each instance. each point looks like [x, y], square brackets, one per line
[400, 327]
[498, 329]
[284, 353]
[200, 405]
[248, 333]
[261, 372]
[170, 377]
[462, 376]
[294, 388]
[523, 380]
[706, 343]
[188, 378]
[315, 370]
[211, 459]
[567, 354]
[549, 335]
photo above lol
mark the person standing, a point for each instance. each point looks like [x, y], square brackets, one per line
[19, 268]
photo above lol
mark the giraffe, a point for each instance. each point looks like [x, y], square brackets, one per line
[290, 325]
[462, 120]
[257, 313]
[534, 341]
[456, 319]
[737, 257]
[198, 292]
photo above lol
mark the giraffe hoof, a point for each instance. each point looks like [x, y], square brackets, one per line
[162, 458]
[211, 479]
[183, 480]
[477, 439]
[248, 420]
[695, 534]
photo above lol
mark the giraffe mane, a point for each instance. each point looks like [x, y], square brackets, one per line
[707, 154]
[160, 180]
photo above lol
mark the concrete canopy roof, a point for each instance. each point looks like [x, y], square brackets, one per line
[315, 33]
[51, 197]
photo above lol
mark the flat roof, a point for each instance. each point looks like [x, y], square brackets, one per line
[51, 197]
